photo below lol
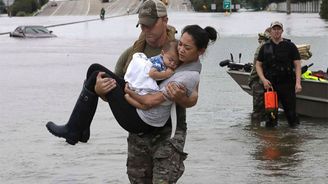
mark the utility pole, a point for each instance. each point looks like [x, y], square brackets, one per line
[8, 9]
[288, 7]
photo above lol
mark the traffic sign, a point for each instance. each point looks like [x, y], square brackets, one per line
[226, 4]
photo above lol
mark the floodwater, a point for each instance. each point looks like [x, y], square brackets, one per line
[40, 80]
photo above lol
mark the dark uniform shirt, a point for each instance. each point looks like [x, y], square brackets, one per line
[278, 60]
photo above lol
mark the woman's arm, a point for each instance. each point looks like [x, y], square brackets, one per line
[135, 103]
[147, 101]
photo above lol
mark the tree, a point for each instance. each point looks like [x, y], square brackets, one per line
[26, 6]
[324, 9]
[2, 6]
[258, 4]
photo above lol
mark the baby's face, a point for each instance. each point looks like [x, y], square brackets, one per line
[171, 59]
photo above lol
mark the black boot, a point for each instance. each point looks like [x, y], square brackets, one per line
[78, 126]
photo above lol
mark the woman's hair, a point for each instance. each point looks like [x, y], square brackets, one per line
[201, 36]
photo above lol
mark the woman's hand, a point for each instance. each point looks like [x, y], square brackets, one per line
[175, 91]
[178, 94]
[104, 85]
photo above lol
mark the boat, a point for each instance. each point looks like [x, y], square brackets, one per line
[312, 101]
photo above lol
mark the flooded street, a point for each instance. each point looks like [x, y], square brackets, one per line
[40, 80]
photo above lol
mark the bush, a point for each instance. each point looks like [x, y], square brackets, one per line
[21, 14]
[26, 6]
[2, 7]
[324, 9]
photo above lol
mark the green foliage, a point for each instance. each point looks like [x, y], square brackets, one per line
[2, 7]
[257, 4]
[324, 9]
[21, 14]
[26, 7]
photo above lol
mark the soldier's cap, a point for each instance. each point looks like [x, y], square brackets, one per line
[265, 35]
[277, 23]
[150, 11]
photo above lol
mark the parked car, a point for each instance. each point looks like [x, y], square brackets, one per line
[32, 32]
[53, 3]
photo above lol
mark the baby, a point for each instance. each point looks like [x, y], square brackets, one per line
[143, 73]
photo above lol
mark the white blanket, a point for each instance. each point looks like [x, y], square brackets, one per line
[137, 75]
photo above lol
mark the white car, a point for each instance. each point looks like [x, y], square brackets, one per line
[32, 32]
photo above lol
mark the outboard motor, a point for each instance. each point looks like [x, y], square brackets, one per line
[225, 62]
[236, 66]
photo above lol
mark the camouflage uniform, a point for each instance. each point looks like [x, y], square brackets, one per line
[256, 85]
[257, 88]
[154, 157]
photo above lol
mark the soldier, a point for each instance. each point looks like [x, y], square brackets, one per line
[255, 83]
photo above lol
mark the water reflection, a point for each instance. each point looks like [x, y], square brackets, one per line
[277, 149]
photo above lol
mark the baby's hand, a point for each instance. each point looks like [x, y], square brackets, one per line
[169, 72]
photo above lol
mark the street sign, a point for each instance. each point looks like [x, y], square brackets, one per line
[213, 7]
[226, 4]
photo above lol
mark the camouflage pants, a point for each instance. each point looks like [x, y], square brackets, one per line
[155, 158]
[258, 113]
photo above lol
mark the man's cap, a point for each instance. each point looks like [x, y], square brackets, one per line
[150, 11]
[276, 23]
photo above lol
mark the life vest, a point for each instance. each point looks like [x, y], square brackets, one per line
[308, 75]
[277, 63]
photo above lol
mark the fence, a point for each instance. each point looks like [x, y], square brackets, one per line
[301, 7]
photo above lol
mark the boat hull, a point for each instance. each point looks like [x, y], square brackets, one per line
[312, 101]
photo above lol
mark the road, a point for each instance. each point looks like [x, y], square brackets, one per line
[113, 7]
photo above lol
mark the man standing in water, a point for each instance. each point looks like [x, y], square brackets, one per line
[102, 14]
[278, 66]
